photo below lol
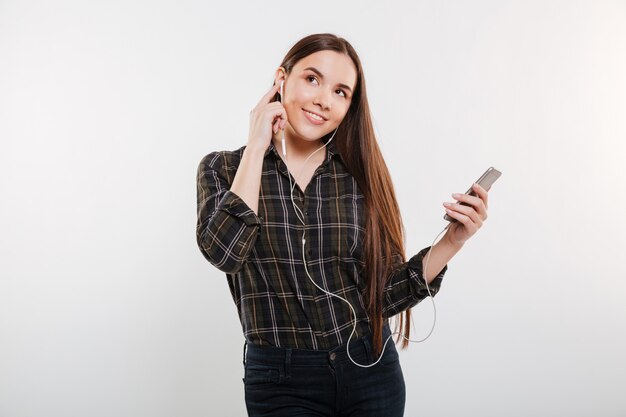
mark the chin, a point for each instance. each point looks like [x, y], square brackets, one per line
[308, 135]
[316, 134]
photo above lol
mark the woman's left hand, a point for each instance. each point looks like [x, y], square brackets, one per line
[470, 218]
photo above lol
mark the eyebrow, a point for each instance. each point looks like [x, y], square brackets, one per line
[315, 70]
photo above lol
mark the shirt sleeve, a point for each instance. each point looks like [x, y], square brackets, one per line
[407, 286]
[227, 227]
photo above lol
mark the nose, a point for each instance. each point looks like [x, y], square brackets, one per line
[324, 100]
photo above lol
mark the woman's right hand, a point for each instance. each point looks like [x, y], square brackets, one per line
[265, 120]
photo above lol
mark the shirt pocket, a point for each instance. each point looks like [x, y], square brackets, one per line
[343, 224]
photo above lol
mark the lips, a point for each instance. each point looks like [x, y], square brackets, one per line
[311, 119]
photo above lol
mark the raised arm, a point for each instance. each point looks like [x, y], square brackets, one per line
[227, 226]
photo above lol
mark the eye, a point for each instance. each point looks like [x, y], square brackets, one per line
[311, 76]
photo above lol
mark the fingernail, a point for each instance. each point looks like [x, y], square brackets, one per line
[455, 195]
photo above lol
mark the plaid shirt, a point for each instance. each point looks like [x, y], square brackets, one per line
[261, 254]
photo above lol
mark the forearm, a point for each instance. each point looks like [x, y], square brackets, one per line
[247, 181]
[438, 256]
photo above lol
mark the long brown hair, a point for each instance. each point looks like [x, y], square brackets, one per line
[356, 142]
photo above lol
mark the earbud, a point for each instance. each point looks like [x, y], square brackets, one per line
[281, 89]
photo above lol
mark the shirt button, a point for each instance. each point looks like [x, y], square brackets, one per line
[333, 356]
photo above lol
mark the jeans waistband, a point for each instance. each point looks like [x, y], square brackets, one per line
[361, 351]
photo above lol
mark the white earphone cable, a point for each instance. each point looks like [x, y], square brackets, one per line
[353, 312]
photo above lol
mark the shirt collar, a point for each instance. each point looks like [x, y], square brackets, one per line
[331, 150]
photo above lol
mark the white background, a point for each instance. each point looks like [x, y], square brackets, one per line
[107, 306]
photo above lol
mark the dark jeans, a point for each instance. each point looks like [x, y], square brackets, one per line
[298, 382]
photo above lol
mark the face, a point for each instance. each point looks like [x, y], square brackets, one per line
[321, 83]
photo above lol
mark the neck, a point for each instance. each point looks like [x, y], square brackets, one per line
[297, 148]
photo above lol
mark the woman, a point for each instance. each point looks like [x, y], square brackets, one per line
[313, 243]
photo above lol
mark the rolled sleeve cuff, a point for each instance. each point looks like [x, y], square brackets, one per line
[417, 273]
[233, 204]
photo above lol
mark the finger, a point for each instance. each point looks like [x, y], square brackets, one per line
[475, 201]
[280, 118]
[482, 193]
[267, 96]
[459, 216]
[467, 211]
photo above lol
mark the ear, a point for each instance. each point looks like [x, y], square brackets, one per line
[280, 75]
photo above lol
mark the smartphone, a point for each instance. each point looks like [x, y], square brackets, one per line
[486, 180]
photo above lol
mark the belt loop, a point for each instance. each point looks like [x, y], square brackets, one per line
[245, 346]
[368, 349]
[288, 363]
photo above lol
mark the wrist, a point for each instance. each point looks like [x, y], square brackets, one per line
[452, 241]
[255, 151]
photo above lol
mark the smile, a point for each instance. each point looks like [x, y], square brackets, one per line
[313, 118]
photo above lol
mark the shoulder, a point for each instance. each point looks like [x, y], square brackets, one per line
[222, 161]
